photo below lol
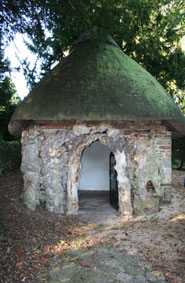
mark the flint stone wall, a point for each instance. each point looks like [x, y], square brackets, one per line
[51, 163]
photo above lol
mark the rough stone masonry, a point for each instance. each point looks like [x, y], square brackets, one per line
[51, 153]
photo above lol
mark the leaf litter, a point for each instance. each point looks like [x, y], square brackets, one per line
[31, 242]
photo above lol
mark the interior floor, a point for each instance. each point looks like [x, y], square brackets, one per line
[95, 202]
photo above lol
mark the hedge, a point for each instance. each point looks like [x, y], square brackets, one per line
[10, 156]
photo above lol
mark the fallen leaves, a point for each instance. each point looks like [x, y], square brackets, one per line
[87, 266]
[8, 250]
[44, 261]
[62, 242]
[18, 228]
[34, 240]
[19, 252]
[148, 252]
[19, 264]
[126, 227]
[167, 274]
[25, 275]
[158, 273]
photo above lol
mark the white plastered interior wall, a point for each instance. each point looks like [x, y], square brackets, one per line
[94, 173]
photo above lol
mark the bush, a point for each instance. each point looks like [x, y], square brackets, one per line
[10, 156]
[178, 153]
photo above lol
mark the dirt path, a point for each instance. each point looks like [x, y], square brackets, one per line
[100, 247]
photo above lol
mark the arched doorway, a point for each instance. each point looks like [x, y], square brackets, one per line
[74, 167]
[97, 188]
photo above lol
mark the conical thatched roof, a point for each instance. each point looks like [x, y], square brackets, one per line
[98, 83]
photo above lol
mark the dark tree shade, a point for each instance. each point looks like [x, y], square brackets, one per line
[147, 30]
[8, 102]
[178, 152]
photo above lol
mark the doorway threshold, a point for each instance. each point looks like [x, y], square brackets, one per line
[94, 201]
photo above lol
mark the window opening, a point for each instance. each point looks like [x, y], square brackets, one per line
[150, 187]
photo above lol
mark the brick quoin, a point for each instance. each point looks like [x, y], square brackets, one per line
[165, 147]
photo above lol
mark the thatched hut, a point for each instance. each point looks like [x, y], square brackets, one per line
[97, 99]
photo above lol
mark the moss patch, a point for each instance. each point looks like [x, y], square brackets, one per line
[98, 83]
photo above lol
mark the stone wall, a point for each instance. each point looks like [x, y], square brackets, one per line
[149, 161]
[51, 153]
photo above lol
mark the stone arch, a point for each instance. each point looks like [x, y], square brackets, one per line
[124, 187]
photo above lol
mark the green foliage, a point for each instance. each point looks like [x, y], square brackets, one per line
[8, 102]
[4, 63]
[150, 31]
[22, 202]
[178, 152]
[155, 219]
[41, 205]
[10, 157]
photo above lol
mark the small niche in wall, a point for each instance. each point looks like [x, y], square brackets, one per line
[150, 187]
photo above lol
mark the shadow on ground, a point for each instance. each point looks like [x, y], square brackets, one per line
[99, 245]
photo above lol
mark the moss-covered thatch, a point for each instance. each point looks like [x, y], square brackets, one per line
[98, 83]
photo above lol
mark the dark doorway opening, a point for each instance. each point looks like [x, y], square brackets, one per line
[113, 182]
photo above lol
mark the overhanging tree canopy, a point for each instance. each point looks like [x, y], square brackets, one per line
[8, 103]
[149, 31]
